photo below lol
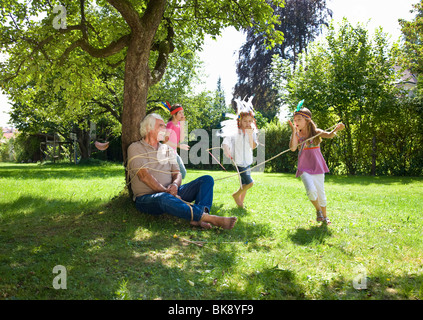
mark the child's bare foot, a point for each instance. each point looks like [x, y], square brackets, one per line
[238, 200]
[243, 192]
[242, 196]
[319, 216]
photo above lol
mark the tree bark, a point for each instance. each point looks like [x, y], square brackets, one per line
[134, 96]
[83, 137]
[137, 72]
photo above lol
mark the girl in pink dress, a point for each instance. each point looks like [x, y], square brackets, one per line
[311, 164]
[175, 133]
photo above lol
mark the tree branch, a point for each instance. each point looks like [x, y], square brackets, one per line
[108, 51]
[153, 14]
[116, 64]
[128, 13]
[83, 21]
[108, 108]
[165, 48]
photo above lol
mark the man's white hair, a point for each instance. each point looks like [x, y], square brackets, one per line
[147, 124]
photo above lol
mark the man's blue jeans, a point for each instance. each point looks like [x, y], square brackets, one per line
[199, 190]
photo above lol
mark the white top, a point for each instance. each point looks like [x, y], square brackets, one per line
[240, 149]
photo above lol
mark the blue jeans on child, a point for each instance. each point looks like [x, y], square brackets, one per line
[245, 176]
[199, 190]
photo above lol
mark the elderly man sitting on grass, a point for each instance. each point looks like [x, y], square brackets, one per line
[156, 180]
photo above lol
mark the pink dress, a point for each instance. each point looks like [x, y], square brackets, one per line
[310, 159]
[175, 132]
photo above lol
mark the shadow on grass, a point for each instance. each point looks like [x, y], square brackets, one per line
[112, 251]
[276, 284]
[31, 207]
[315, 234]
[380, 285]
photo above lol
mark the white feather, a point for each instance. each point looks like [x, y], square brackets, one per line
[230, 127]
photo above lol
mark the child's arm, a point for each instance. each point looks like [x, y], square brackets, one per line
[226, 146]
[167, 139]
[226, 151]
[182, 129]
[170, 143]
[253, 144]
[330, 135]
[293, 143]
[182, 135]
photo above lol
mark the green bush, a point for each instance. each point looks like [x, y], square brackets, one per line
[6, 151]
[26, 147]
[277, 140]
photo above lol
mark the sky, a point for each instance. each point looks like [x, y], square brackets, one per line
[220, 55]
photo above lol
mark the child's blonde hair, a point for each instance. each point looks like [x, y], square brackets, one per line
[245, 114]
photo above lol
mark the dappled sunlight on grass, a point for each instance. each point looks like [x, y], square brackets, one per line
[83, 219]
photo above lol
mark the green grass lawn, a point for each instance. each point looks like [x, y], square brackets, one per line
[79, 217]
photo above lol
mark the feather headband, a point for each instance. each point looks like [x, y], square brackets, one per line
[176, 110]
[299, 112]
[168, 108]
[166, 105]
[230, 127]
[244, 106]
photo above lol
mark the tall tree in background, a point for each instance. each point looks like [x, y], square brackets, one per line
[413, 60]
[351, 77]
[219, 106]
[300, 22]
[94, 36]
[413, 39]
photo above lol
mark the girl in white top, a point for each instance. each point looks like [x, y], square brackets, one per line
[239, 145]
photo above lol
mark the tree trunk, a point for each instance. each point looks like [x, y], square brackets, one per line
[137, 72]
[134, 99]
[83, 137]
[135, 96]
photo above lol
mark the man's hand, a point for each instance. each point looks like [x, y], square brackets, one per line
[172, 189]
